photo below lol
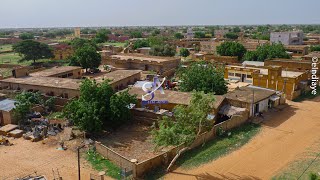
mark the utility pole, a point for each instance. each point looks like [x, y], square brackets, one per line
[78, 149]
[253, 102]
[79, 163]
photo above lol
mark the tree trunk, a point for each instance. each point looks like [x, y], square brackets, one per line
[176, 157]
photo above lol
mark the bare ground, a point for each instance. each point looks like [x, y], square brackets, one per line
[285, 135]
[26, 157]
[133, 141]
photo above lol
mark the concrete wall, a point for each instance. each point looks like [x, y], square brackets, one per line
[71, 93]
[139, 169]
[114, 157]
[7, 118]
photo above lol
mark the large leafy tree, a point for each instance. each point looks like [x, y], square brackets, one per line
[102, 36]
[178, 35]
[184, 52]
[33, 50]
[136, 34]
[231, 35]
[99, 106]
[87, 56]
[162, 50]
[315, 48]
[187, 123]
[25, 101]
[79, 42]
[25, 36]
[266, 51]
[199, 34]
[203, 77]
[141, 43]
[231, 49]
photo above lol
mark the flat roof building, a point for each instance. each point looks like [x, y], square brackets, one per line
[60, 71]
[287, 38]
[292, 83]
[164, 66]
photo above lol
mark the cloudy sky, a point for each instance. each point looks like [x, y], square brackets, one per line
[62, 13]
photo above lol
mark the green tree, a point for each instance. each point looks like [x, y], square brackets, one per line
[25, 36]
[267, 51]
[184, 52]
[162, 50]
[26, 100]
[32, 50]
[178, 35]
[50, 35]
[79, 42]
[314, 176]
[231, 35]
[203, 77]
[119, 106]
[136, 34]
[98, 106]
[199, 34]
[236, 29]
[87, 56]
[102, 36]
[187, 123]
[315, 48]
[231, 49]
[140, 43]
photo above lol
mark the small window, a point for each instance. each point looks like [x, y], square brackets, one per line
[231, 74]
[238, 75]
[249, 76]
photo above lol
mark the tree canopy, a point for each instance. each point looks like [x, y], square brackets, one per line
[184, 52]
[79, 42]
[33, 50]
[98, 106]
[199, 34]
[26, 100]
[25, 36]
[87, 57]
[266, 51]
[102, 36]
[315, 48]
[141, 43]
[231, 49]
[178, 35]
[203, 76]
[136, 34]
[162, 50]
[231, 35]
[187, 123]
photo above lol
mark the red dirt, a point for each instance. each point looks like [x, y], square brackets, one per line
[284, 136]
[26, 157]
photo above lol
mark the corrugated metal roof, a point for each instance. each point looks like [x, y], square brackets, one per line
[7, 105]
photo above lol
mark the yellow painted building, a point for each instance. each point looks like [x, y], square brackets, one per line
[292, 83]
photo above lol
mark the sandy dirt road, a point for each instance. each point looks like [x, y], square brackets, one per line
[284, 136]
[25, 157]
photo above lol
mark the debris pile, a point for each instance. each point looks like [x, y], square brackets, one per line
[38, 127]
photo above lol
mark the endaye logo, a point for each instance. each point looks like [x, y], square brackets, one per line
[314, 77]
[155, 85]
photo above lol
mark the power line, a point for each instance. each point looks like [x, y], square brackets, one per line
[309, 165]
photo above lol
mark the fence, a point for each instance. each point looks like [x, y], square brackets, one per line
[114, 157]
[165, 158]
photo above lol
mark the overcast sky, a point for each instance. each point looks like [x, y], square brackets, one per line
[71, 13]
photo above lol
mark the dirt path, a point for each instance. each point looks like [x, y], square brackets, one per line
[25, 157]
[284, 136]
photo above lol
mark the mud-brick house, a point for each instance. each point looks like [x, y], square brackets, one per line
[254, 99]
[174, 98]
[6, 111]
[61, 51]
